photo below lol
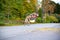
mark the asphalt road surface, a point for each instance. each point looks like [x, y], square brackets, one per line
[30, 32]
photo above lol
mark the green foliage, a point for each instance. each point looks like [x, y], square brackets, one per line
[50, 19]
[12, 11]
[58, 17]
[15, 10]
[2, 24]
[57, 9]
[38, 20]
[40, 12]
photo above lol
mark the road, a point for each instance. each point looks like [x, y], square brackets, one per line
[31, 32]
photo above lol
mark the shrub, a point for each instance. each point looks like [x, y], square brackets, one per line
[50, 19]
[2, 24]
[58, 17]
[53, 19]
[38, 20]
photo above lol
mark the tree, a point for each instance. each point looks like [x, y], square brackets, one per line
[57, 8]
[13, 9]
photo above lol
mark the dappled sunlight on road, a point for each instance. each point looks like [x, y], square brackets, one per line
[48, 29]
[43, 30]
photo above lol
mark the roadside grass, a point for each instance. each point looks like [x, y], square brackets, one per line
[13, 24]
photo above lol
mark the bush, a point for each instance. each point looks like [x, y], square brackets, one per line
[38, 20]
[2, 24]
[58, 17]
[53, 19]
[50, 19]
